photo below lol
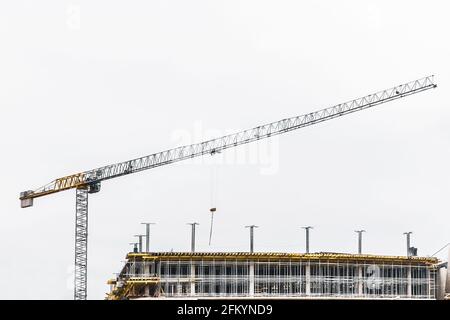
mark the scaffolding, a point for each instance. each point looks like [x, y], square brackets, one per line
[206, 275]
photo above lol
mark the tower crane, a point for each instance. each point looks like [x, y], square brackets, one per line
[89, 181]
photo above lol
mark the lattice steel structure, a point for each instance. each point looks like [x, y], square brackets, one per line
[81, 236]
[90, 180]
[324, 275]
[95, 176]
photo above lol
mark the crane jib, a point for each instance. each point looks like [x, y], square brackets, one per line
[91, 179]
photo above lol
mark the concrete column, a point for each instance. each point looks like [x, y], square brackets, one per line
[147, 238]
[308, 278]
[409, 287]
[147, 235]
[360, 281]
[149, 268]
[252, 227]
[192, 279]
[408, 242]
[140, 241]
[307, 240]
[360, 232]
[251, 275]
[307, 237]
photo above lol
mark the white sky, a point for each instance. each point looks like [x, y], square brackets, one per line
[89, 83]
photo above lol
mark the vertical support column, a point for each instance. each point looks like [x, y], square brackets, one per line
[140, 241]
[251, 240]
[193, 224]
[308, 278]
[360, 281]
[307, 240]
[147, 238]
[147, 290]
[252, 227]
[409, 286]
[360, 243]
[251, 270]
[147, 235]
[360, 232]
[408, 242]
[81, 237]
[192, 278]
[307, 237]
[147, 268]
[193, 238]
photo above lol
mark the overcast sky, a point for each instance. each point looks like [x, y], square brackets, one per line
[89, 83]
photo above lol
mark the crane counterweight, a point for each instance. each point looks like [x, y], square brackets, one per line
[26, 202]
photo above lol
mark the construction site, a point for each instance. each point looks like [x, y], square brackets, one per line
[197, 155]
[319, 275]
[322, 275]
[275, 275]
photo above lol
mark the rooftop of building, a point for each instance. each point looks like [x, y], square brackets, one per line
[318, 256]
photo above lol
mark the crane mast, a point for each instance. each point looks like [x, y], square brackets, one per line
[89, 181]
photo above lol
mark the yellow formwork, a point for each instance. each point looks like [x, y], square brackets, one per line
[279, 256]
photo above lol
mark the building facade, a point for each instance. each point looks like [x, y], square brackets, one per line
[274, 275]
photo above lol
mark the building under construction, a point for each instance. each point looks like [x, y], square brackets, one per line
[275, 275]
[241, 274]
